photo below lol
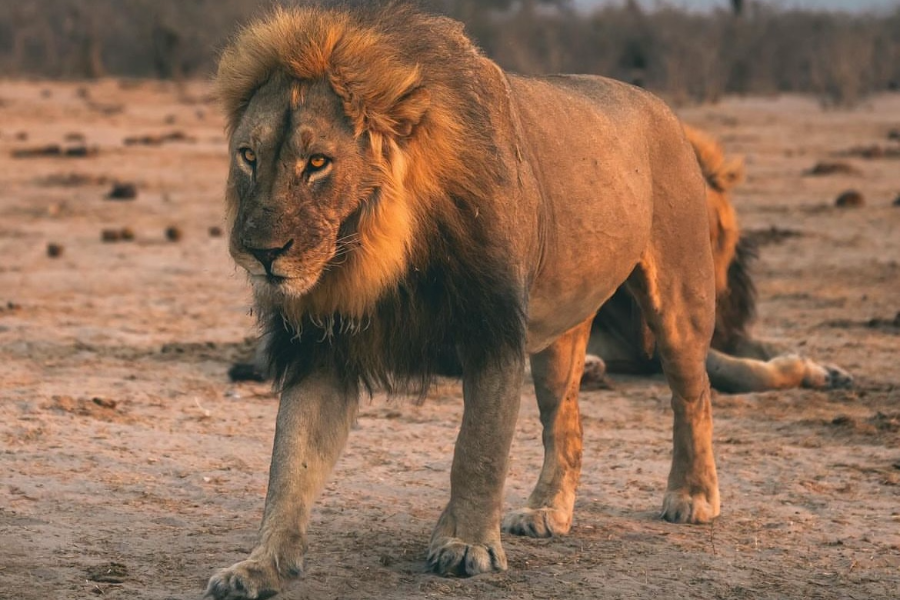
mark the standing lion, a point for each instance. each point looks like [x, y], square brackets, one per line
[405, 209]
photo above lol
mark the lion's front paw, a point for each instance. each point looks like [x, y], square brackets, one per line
[679, 506]
[826, 377]
[538, 522]
[246, 580]
[452, 556]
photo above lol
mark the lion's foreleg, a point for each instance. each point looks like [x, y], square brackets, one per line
[466, 540]
[557, 374]
[314, 420]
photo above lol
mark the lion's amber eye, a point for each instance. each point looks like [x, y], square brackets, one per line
[248, 155]
[317, 162]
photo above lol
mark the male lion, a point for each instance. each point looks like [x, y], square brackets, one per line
[737, 362]
[406, 209]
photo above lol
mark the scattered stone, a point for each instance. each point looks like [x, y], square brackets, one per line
[108, 573]
[872, 152]
[75, 136]
[215, 231]
[832, 168]
[38, 151]
[122, 190]
[54, 250]
[173, 234]
[157, 140]
[11, 306]
[850, 199]
[771, 235]
[71, 179]
[894, 134]
[80, 151]
[124, 234]
[104, 402]
[21, 136]
[896, 201]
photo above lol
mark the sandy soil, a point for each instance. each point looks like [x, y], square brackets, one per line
[130, 467]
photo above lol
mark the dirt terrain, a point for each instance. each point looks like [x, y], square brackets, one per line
[130, 467]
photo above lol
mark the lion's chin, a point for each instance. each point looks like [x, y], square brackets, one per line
[291, 287]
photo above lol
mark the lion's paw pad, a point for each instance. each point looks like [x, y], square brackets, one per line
[681, 507]
[537, 523]
[826, 377]
[452, 556]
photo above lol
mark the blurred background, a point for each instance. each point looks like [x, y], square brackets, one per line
[686, 50]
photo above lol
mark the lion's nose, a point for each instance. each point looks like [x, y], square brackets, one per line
[266, 256]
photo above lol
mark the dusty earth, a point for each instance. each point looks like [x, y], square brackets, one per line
[130, 467]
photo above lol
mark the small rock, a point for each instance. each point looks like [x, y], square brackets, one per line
[850, 199]
[122, 191]
[896, 201]
[123, 234]
[54, 250]
[215, 231]
[832, 168]
[173, 234]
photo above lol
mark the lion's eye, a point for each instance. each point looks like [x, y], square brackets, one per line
[248, 155]
[317, 162]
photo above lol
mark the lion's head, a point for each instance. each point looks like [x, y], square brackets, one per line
[328, 125]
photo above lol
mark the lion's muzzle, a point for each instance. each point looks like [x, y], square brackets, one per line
[267, 256]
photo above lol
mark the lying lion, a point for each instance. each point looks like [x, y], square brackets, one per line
[405, 209]
[622, 341]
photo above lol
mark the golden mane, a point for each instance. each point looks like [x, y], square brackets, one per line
[721, 173]
[404, 79]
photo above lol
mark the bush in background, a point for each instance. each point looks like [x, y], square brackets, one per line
[743, 47]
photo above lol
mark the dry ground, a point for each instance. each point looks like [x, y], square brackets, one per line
[131, 468]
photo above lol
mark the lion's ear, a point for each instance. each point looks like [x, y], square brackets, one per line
[409, 110]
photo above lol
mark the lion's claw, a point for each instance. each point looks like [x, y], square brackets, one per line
[454, 557]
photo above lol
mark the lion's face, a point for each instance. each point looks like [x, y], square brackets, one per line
[298, 178]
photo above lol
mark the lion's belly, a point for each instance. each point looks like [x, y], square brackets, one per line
[579, 280]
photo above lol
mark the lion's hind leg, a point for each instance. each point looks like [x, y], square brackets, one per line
[676, 292]
[741, 375]
[557, 374]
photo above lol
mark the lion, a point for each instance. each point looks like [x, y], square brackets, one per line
[738, 362]
[406, 209]
[621, 340]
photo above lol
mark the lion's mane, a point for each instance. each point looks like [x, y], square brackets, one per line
[427, 285]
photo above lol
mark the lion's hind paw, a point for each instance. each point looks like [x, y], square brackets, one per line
[826, 377]
[682, 507]
[454, 557]
[537, 523]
